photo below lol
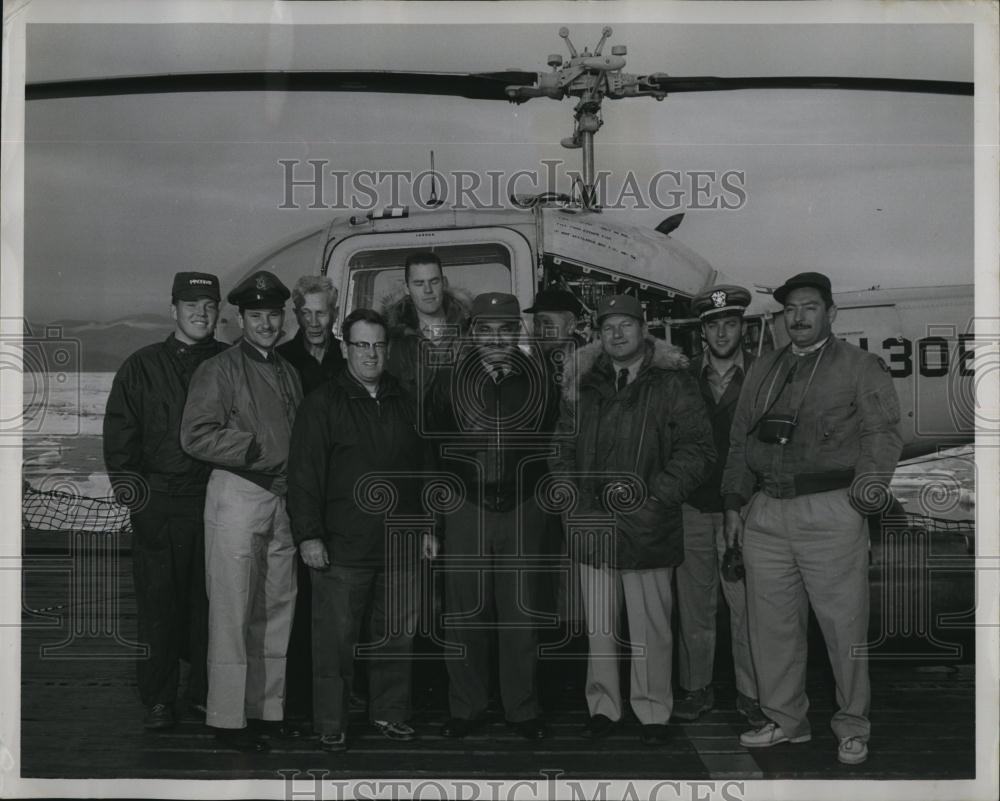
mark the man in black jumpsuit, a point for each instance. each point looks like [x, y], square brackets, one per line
[164, 489]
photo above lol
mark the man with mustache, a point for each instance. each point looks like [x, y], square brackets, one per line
[142, 424]
[719, 371]
[238, 418]
[816, 430]
[486, 413]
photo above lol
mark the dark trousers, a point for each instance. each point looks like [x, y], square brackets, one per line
[168, 562]
[492, 597]
[341, 599]
[298, 682]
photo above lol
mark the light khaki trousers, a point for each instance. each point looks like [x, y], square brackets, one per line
[810, 550]
[647, 600]
[251, 582]
[698, 582]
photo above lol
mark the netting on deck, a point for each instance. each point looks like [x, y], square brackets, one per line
[56, 510]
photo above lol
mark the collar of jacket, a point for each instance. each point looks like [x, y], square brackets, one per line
[388, 386]
[209, 345]
[251, 352]
[401, 316]
[700, 362]
[592, 366]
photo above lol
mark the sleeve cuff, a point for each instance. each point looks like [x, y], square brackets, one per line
[733, 502]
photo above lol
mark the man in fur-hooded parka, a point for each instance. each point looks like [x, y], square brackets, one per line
[430, 310]
[601, 431]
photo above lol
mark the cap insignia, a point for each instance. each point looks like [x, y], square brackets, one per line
[261, 282]
[719, 299]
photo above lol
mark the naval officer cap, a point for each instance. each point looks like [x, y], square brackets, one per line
[194, 286]
[619, 304]
[498, 305]
[720, 300]
[262, 290]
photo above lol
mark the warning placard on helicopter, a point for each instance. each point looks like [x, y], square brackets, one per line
[647, 257]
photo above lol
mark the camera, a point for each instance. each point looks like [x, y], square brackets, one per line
[50, 372]
[732, 564]
[776, 429]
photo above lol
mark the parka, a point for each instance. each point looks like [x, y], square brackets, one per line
[655, 430]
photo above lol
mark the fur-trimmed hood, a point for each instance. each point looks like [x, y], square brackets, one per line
[592, 357]
[401, 316]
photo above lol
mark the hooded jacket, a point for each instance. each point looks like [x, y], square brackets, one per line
[656, 429]
[405, 336]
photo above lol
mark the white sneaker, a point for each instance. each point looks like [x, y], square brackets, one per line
[769, 734]
[852, 750]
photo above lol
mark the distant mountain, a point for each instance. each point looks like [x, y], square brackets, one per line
[95, 346]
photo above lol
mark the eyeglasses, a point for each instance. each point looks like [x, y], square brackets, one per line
[366, 347]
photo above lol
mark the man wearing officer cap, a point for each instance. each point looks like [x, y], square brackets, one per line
[636, 441]
[487, 413]
[816, 430]
[164, 489]
[719, 371]
[238, 418]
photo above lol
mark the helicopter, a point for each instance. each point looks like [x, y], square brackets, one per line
[924, 334]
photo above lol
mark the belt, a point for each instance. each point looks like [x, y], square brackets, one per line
[813, 483]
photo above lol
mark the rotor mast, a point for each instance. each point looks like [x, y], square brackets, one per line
[590, 77]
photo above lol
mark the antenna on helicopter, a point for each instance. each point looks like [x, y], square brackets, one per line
[433, 199]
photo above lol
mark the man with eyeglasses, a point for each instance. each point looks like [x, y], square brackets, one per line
[487, 411]
[636, 440]
[360, 424]
[238, 418]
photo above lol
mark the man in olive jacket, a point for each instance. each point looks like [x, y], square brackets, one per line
[360, 426]
[636, 441]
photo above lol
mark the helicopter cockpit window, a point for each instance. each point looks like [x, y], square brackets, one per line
[376, 276]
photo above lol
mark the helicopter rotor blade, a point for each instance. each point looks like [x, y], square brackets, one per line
[477, 86]
[709, 83]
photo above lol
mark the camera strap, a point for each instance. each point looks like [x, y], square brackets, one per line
[769, 404]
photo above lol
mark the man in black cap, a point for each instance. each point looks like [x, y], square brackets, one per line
[486, 412]
[165, 491]
[239, 417]
[633, 431]
[719, 371]
[816, 429]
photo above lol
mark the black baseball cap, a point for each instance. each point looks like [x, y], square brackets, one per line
[814, 280]
[192, 286]
[555, 300]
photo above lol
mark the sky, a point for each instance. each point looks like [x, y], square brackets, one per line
[872, 188]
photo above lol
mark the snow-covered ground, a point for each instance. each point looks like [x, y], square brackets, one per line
[62, 450]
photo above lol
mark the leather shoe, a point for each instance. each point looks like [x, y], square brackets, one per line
[159, 716]
[599, 726]
[457, 728]
[241, 740]
[655, 733]
[533, 729]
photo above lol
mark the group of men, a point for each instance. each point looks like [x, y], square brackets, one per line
[257, 497]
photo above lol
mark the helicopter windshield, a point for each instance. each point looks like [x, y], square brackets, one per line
[376, 276]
